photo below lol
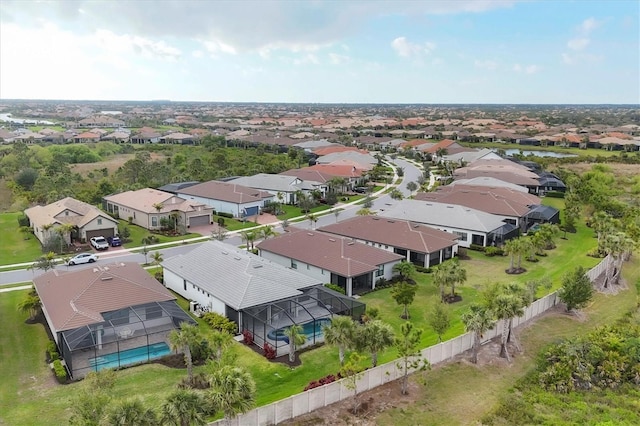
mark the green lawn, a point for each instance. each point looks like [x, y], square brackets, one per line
[15, 248]
[234, 224]
[25, 375]
[294, 211]
[138, 233]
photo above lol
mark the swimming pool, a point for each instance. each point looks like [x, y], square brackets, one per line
[311, 329]
[130, 356]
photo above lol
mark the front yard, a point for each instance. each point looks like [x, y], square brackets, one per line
[16, 247]
[138, 233]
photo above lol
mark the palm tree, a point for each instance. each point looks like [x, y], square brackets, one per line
[296, 338]
[457, 274]
[157, 258]
[232, 391]
[26, 230]
[45, 229]
[65, 230]
[512, 248]
[31, 304]
[441, 278]
[184, 408]
[406, 270]
[365, 212]
[182, 340]
[219, 341]
[505, 305]
[340, 333]
[313, 219]
[477, 320]
[249, 237]
[267, 231]
[131, 413]
[45, 262]
[375, 336]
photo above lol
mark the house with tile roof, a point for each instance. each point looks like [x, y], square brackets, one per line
[419, 244]
[238, 200]
[284, 187]
[87, 220]
[342, 261]
[107, 316]
[148, 207]
[470, 225]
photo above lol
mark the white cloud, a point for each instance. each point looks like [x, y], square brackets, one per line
[134, 44]
[527, 69]
[309, 58]
[406, 49]
[578, 43]
[486, 64]
[337, 59]
[197, 54]
[215, 47]
[589, 25]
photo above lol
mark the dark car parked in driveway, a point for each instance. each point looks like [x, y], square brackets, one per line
[114, 241]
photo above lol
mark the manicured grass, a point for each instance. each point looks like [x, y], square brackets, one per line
[138, 233]
[15, 248]
[294, 211]
[461, 393]
[234, 224]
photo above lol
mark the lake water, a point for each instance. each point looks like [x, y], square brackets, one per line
[9, 119]
[538, 153]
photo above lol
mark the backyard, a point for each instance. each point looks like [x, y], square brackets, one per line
[16, 247]
[27, 378]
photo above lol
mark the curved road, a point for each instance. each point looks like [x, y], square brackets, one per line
[411, 174]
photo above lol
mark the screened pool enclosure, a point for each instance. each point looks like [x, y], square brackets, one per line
[311, 310]
[128, 336]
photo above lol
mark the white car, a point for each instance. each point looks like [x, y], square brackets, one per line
[99, 243]
[82, 258]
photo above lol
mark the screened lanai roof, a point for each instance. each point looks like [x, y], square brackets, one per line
[128, 322]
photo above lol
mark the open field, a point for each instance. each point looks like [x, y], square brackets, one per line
[112, 164]
[15, 248]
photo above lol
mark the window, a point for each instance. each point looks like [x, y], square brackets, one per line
[66, 213]
[294, 265]
[308, 266]
[154, 221]
[322, 271]
[463, 235]
[380, 271]
[99, 221]
[184, 283]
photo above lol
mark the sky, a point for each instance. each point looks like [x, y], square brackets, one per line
[444, 51]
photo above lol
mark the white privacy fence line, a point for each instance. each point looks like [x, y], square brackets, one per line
[308, 401]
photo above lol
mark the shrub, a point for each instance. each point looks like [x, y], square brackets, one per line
[269, 351]
[493, 251]
[247, 337]
[323, 381]
[59, 371]
[23, 220]
[52, 351]
[225, 214]
[476, 247]
[335, 287]
[220, 322]
[423, 269]
[555, 194]
[159, 276]
[201, 351]
[221, 222]
[199, 381]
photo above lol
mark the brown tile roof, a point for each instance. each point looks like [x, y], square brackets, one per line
[486, 201]
[505, 170]
[337, 170]
[76, 298]
[144, 200]
[396, 233]
[336, 254]
[51, 213]
[224, 191]
[336, 148]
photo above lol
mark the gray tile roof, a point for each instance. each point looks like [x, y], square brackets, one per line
[280, 183]
[236, 277]
[443, 215]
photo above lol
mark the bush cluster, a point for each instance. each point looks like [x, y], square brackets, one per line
[52, 351]
[323, 381]
[59, 371]
[225, 214]
[335, 287]
[220, 322]
[269, 351]
[555, 194]
[423, 269]
[247, 337]
[493, 251]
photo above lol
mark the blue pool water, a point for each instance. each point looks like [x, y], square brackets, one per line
[311, 329]
[130, 356]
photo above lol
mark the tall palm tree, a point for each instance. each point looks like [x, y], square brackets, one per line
[375, 336]
[406, 270]
[184, 408]
[249, 237]
[232, 391]
[512, 248]
[340, 333]
[157, 258]
[182, 340]
[505, 305]
[45, 262]
[131, 413]
[477, 320]
[31, 304]
[296, 338]
[267, 231]
[65, 230]
[457, 274]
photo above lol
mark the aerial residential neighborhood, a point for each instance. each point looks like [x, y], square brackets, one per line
[319, 213]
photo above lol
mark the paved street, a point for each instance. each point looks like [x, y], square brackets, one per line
[383, 201]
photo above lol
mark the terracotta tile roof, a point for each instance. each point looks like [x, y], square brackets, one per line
[75, 298]
[337, 148]
[51, 213]
[396, 233]
[337, 170]
[336, 254]
[144, 200]
[225, 191]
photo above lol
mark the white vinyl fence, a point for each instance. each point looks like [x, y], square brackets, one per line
[308, 401]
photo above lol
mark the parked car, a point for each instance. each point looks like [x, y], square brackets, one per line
[114, 241]
[82, 258]
[99, 243]
[361, 189]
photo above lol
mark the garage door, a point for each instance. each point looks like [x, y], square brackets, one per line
[251, 211]
[199, 220]
[107, 232]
